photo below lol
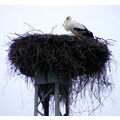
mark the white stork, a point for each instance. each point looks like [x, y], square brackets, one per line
[76, 28]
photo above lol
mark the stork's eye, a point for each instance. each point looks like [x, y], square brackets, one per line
[67, 18]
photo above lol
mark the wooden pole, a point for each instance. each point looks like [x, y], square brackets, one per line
[46, 105]
[67, 102]
[57, 100]
[36, 101]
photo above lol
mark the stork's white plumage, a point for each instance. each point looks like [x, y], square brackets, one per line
[76, 28]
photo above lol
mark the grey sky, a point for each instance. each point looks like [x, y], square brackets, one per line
[16, 98]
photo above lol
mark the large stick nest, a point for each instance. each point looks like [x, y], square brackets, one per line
[71, 55]
[83, 60]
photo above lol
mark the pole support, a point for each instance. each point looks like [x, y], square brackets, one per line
[36, 101]
[57, 99]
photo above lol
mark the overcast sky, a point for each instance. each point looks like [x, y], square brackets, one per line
[16, 97]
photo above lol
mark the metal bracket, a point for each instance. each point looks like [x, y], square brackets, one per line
[49, 78]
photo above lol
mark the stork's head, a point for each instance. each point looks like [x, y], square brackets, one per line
[67, 20]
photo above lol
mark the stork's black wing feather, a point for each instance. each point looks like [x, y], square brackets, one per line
[88, 33]
[79, 29]
[84, 32]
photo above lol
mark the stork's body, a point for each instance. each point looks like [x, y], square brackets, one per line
[76, 28]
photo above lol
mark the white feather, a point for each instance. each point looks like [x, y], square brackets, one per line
[76, 28]
[70, 24]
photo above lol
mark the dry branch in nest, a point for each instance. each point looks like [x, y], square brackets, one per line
[82, 60]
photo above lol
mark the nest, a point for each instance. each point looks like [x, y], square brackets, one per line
[83, 60]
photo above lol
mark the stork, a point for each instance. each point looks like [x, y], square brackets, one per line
[76, 28]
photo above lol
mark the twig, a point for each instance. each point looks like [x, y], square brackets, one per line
[32, 28]
[53, 28]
